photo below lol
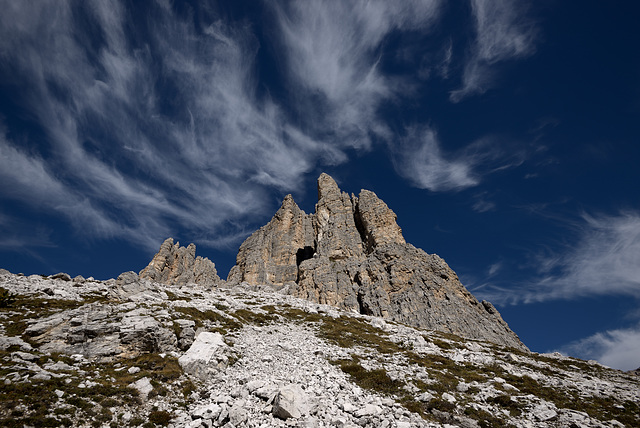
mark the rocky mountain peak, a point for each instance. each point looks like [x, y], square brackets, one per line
[336, 234]
[351, 254]
[327, 187]
[176, 265]
[376, 221]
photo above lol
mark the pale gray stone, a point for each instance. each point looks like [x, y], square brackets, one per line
[207, 355]
[290, 402]
[63, 276]
[143, 386]
[544, 412]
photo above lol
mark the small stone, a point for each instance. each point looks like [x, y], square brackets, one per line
[254, 385]
[133, 370]
[448, 397]
[63, 276]
[425, 397]
[42, 376]
[25, 356]
[349, 408]
[543, 412]
[237, 414]
[209, 411]
[369, 410]
[462, 387]
[143, 386]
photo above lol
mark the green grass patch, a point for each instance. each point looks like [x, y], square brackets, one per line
[485, 419]
[348, 332]
[209, 319]
[160, 417]
[374, 380]
[257, 318]
[505, 401]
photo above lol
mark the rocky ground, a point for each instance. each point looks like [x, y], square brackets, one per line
[130, 352]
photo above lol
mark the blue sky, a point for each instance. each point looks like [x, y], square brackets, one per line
[503, 134]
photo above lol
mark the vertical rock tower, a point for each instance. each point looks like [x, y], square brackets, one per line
[176, 265]
[351, 254]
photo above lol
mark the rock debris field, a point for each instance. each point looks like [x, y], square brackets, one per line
[131, 352]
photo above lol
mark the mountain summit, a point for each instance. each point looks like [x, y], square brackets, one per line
[351, 254]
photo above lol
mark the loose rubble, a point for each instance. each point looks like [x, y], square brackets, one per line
[131, 352]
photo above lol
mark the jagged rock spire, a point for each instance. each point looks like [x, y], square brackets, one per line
[351, 254]
[271, 255]
[176, 265]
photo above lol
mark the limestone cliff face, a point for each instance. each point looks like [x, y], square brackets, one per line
[176, 265]
[271, 255]
[351, 254]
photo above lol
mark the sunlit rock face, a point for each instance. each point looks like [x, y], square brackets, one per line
[271, 254]
[351, 254]
[176, 265]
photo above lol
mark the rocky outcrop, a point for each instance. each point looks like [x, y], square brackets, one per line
[272, 254]
[176, 265]
[102, 331]
[351, 254]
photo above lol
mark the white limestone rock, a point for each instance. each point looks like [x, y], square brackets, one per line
[207, 355]
[290, 402]
[143, 386]
[544, 412]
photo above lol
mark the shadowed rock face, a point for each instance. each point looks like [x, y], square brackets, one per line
[351, 254]
[176, 265]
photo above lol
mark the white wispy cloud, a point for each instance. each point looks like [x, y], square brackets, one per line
[602, 259]
[156, 122]
[418, 157]
[118, 163]
[504, 31]
[619, 348]
[606, 259]
[420, 160]
[333, 50]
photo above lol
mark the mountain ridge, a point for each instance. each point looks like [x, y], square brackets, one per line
[351, 254]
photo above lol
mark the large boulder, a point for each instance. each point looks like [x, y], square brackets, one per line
[290, 402]
[207, 355]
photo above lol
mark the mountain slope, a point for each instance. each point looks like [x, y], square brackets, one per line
[137, 353]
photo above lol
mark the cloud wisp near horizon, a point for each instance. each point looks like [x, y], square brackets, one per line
[618, 348]
[602, 259]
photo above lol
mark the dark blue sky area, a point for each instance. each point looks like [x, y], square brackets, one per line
[503, 134]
